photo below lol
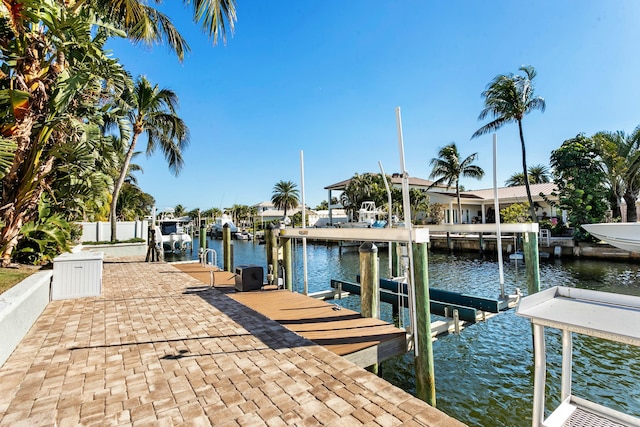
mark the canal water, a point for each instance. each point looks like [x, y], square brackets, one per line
[484, 375]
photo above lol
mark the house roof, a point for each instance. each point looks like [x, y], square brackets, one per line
[396, 179]
[515, 194]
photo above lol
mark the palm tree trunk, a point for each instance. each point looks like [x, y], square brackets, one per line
[119, 183]
[630, 200]
[532, 209]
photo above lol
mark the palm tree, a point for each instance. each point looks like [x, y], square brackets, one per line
[515, 180]
[621, 164]
[509, 98]
[538, 174]
[152, 111]
[145, 24]
[448, 169]
[362, 188]
[56, 78]
[285, 196]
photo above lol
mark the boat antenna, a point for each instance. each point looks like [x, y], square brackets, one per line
[406, 206]
[496, 207]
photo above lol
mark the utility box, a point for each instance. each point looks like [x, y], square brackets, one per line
[249, 278]
[77, 275]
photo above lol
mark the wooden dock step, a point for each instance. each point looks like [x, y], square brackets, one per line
[362, 340]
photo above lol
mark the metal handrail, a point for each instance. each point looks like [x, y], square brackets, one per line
[204, 257]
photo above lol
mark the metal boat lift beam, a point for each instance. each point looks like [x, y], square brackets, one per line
[418, 235]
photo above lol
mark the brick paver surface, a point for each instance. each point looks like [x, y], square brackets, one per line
[157, 348]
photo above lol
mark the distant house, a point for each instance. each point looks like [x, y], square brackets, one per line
[267, 212]
[477, 205]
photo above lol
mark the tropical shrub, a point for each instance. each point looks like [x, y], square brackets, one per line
[44, 238]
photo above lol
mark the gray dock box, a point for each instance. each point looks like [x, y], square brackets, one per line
[249, 278]
[77, 275]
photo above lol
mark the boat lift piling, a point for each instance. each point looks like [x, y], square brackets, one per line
[227, 244]
[370, 281]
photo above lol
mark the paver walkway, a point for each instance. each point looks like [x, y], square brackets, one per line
[157, 348]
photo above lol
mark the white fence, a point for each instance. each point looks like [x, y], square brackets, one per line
[125, 230]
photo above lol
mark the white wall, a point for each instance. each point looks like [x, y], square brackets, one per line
[125, 230]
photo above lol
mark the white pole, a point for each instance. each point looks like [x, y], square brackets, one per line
[496, 204]
[407, 224]
[389, 201]
[304, 225]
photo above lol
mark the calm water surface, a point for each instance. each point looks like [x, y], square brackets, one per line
[484, 375]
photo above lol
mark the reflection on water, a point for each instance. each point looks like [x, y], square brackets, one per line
[484, 375]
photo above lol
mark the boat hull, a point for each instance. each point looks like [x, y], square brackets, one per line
[622, 235]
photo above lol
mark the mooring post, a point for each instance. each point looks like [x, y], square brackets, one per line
[532, 261]
[268, 231]
[395, 259]
[425, 377]
[480, 243]
[202, 238]
[227, 247]
[287, 261]
[370, 285]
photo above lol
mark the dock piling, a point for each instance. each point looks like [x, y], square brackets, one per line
[287, 260]
[425, 373]
[227, 247]
[370, 282]
[532, 261]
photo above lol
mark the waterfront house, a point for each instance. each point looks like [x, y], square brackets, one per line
[477, 205]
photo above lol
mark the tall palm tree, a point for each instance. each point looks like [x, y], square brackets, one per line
[152, 111]
[448, 168]
[285, 196]
[508, 98]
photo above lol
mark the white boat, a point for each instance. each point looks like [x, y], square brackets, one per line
[622, 235]
[216, 229]
[367, 217]
[174, 234]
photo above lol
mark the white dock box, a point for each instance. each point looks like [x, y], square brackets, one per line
[77, 275]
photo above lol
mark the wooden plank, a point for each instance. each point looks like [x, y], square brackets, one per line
[222, 279]
[342, 331]
[364, 341]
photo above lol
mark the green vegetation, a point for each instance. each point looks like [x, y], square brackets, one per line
[285, 196]
[580, 182]
[61, 93]
[538, 174]
[9, 277]
[448, 169]
[509, 98]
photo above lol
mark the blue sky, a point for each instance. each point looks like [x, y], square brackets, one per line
[325, 77]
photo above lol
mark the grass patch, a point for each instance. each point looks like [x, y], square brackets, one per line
[9, 277]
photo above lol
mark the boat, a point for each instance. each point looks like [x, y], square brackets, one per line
[243, 235]
[175, 237]
[367, 217]
[517, 256]
[622, 235]
[218, 225]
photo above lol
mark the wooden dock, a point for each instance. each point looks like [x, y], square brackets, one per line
[363, 341]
